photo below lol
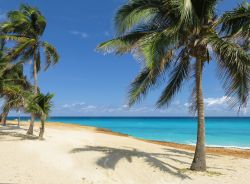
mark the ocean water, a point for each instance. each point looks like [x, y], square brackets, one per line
[223, 132]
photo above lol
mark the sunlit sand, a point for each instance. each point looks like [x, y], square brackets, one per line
[77, 154]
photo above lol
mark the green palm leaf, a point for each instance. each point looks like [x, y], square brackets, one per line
[148, 78]
[178, 75]
[51, 54]
[234, 64]
[136, 12]
[237, 21]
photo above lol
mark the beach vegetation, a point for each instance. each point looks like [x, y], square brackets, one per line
[25, 27]
[14, 89]
[40, 105]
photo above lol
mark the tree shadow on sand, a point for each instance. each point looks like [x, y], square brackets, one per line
[8, 133]
[185, 154]
[114, 155]
[181, 153]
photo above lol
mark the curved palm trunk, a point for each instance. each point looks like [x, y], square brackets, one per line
[31, 127]
[4, 117]
[199, 161]
[42, 128]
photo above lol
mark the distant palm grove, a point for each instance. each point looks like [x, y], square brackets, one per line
[24, 29]
[179, 38]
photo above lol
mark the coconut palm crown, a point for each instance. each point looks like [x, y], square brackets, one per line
[14, 89]
[181, 37]
[40, 105]
[26, 27]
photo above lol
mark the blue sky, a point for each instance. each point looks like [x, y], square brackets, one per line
[87, 83]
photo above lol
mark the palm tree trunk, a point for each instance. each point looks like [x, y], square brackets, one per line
[18, 121]
[30, 130]
[42, 128]
[199, 161]
[4, 117]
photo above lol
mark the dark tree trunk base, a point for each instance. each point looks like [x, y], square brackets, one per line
[3, 121]
[41, 134]
[198, 164]
[30, 130]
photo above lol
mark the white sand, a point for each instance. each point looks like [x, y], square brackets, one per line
[84, 156]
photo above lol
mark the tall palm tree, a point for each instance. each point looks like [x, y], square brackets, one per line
[14, 86]
[26, 27]
[183, 36]
[41, 106]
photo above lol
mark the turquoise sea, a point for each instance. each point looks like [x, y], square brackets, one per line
[220, 131]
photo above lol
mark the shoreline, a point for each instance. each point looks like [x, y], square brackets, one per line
[217, 150]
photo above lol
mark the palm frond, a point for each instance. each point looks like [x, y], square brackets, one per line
[13, 96]
[152, 47]
[38, 61]
[234, 65]
[185, 12]
[17, 22]
[14, 86]
[205, 9]
[230, 53]
[51, 54]
[40, 104]
[19, 50]
[16, 38]
[135, 12]
[148, 78]
[26, 21]
[121, 44]
[237, 21]
[178, 75]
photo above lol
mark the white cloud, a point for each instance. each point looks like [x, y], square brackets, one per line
[125, 106]
[139, 109]
[214, 106]
[216, 101]
[86, 108]
[73, 105]
[212, 102]
[89, 107]
[80, 33]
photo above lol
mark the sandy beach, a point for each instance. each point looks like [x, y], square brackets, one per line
[86, 155]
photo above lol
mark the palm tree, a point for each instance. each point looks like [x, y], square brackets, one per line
[26, 27]
[15, 99]
[14, 87]
[184, 36]
[40, 105]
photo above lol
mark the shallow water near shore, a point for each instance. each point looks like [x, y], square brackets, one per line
[220, 131]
